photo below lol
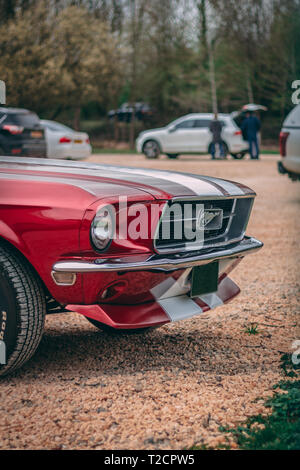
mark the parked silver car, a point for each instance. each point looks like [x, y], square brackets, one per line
[64, 142]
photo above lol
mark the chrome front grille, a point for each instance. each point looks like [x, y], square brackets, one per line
[233, 212]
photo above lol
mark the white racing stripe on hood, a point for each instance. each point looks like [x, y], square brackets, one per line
[229, 187]
[200, 187]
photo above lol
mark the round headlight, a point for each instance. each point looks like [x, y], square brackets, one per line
[102, 229]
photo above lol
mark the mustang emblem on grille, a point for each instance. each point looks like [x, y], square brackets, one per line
[211, 219]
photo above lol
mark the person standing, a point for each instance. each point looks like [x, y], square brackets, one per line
[216, 130]
[250, 127]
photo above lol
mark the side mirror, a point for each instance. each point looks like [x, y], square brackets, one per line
[172, 129]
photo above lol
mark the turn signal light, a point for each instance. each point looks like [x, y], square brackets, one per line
[63, 279]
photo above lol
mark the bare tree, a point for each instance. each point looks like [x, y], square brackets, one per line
[212, 78]
[137, 12]
[202, 9]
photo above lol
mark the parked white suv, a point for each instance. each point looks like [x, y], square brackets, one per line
[191, 134]
[289, 142]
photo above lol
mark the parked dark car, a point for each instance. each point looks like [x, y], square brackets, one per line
[21, 133]
[124, 113]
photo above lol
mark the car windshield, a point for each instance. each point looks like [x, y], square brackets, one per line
[56, 126]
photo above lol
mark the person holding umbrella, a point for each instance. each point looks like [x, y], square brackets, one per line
[250, 128]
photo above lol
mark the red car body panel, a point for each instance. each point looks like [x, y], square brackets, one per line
[148, 314]
[46, 211]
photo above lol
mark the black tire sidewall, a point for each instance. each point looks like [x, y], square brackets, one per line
[157, 146]
[172, 156]
[238, 156]
[8, 316]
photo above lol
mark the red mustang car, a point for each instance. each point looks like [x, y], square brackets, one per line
[128, 248]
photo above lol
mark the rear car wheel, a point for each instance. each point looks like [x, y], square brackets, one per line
[2, 153]
[22, 311]
[172, 155]
[114, 331]
[238, 156]
[151, 149]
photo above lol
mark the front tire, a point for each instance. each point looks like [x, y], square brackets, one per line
[172, 156]
[151, 149]
[22, 311]
[239, 155]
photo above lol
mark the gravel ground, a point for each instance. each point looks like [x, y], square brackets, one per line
[173, 387]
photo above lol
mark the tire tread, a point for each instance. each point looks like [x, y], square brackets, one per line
[31, 307]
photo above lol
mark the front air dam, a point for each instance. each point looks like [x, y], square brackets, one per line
[158, 312]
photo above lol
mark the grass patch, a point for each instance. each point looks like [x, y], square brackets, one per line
[278, 431]
[100, 150]
[288, 367]
[281, 429]
[270, 152]
[252, 329]
[112, 150]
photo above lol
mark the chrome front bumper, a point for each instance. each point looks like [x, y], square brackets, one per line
[157, 263]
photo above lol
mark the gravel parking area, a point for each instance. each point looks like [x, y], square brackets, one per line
[173, 387]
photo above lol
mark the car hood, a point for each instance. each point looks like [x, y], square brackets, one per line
[149, 131]
[106, 180]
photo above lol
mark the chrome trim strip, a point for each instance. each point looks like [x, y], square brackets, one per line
[247, 246]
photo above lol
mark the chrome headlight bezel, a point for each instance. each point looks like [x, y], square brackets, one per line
[102, 229]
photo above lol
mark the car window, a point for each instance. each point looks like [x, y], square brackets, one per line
[57, 127]
[49, 126]
[202, 123]
[26, 119]
[188, 124]
[205, 123]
